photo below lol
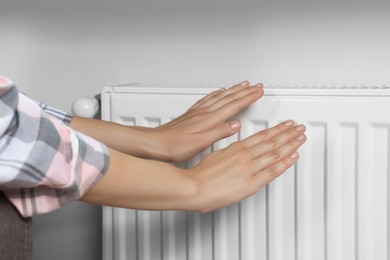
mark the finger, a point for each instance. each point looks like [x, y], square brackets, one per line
[209, 96]
[274, 156]
[233, 97]
[229, 110]
[278, 141]
[269, 133]
[225, 92]
[269, 174]
[220, 132]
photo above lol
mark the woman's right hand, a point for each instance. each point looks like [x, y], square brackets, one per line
[231, 174]
[224, 177]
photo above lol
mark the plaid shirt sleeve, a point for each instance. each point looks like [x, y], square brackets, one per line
[44, 164]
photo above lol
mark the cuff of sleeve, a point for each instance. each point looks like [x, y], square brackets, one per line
[89, 163]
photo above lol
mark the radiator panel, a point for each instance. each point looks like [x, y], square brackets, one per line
[333, 204]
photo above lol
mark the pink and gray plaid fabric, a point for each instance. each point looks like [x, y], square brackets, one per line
[44, 164]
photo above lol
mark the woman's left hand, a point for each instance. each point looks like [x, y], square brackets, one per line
[205, 122]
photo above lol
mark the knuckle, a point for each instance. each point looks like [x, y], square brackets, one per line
[273, 144]
[206, 112]
[276, 156]
[226, 130]
[265, 135]
[286, 163]
[274, 171]
[277, 169]
[241, 155]
[223, 131]
[236, 146]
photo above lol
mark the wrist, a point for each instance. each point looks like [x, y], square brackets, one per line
[154, 144]
[195, 200]
[144, 142]
[189, 193]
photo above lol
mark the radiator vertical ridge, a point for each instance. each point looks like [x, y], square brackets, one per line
[356, 189]
[388, 199]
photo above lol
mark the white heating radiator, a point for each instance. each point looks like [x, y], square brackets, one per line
[333, 205]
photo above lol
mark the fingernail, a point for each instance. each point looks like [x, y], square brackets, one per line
[294, 155]
[221, 89]
[244, 83]
[259, 85]
[235, 124]
[288, 122]
[300, 137]
[299, 127]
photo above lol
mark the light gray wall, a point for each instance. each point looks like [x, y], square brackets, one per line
[57, 51]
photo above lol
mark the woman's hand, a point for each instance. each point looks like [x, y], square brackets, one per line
[224, 177]
[184, 137]
[230, 175]
[205, 122]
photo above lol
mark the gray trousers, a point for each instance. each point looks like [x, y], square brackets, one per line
[15, 232]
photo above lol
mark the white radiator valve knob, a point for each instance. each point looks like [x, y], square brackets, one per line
[85, 107]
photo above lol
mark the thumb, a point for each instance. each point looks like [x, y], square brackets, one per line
[222, 131]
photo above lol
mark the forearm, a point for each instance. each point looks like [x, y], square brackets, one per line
[222, 178]
[136, 183]
[132, 140]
